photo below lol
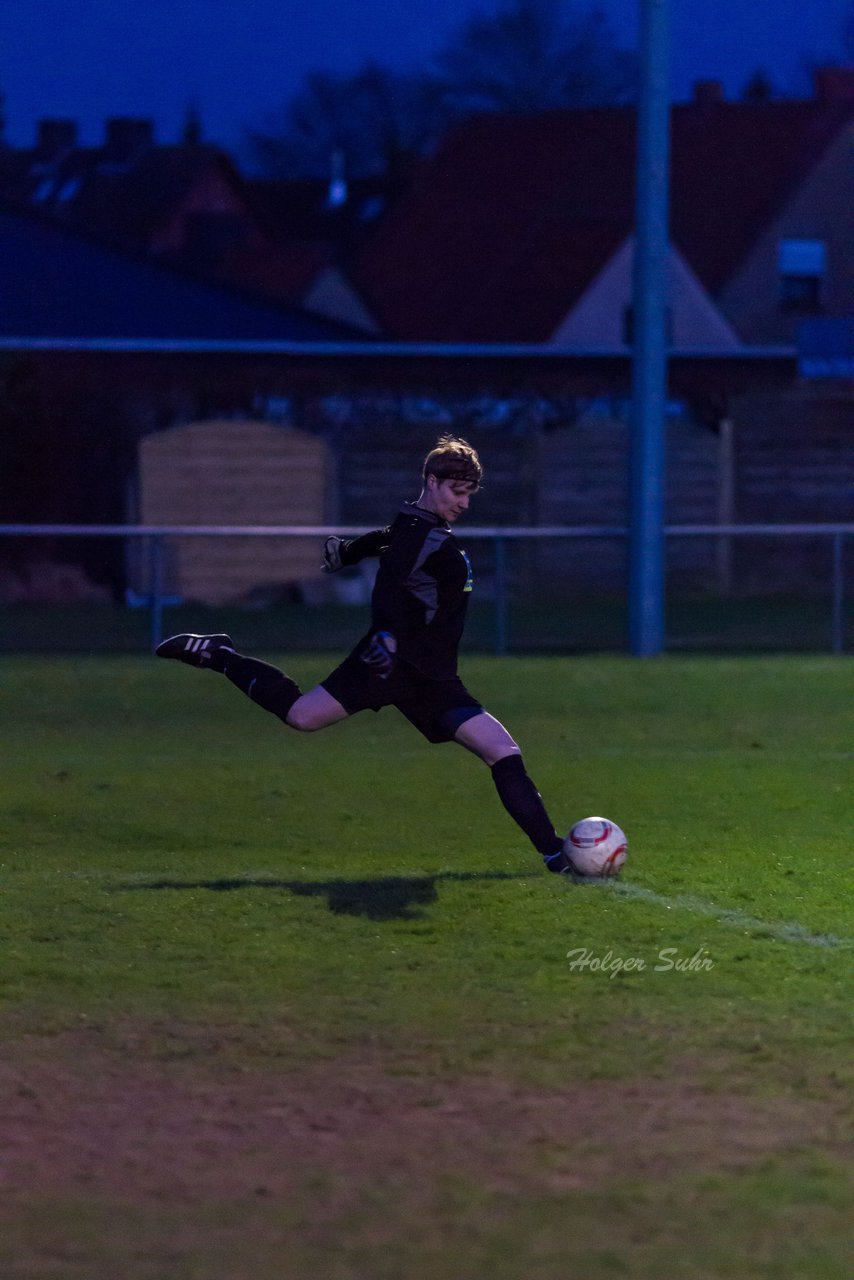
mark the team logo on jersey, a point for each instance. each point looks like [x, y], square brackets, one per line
[469, 574]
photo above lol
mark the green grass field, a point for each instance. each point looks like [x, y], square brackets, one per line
[276, 1007]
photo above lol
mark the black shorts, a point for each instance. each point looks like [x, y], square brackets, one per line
[437, 708]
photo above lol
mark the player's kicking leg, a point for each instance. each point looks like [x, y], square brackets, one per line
[262, 683]
[488, 739]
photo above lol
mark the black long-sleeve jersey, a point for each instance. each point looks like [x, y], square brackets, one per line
[421, 590]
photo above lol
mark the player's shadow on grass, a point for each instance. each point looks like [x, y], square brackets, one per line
[387, 898]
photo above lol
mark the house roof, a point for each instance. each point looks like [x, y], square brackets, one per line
[733, 167]
[516, 215]
[56, 283]
[188, 205]
[133, 206]
[281, 271]
[122, 200]
[299, 209]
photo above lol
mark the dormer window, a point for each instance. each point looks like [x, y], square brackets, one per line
[44, 190]
[68, 190]
[801, 267]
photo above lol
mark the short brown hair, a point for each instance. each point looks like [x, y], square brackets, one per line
[453, 458]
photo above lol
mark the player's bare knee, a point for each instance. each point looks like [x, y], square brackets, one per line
[303, 719]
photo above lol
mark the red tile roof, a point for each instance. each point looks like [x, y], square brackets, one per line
[123, 203]
[515, 216]
[281, 271]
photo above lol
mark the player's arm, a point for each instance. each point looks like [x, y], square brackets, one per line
[338, 553]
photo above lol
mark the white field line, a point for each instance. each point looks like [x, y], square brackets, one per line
[731, 916]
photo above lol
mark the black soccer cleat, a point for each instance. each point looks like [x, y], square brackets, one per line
[196, 651]
[558, 862]
[563, 865]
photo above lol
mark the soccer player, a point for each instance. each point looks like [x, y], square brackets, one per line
[408, 658]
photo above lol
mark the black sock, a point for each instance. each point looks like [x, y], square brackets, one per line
[525, 805]
[260, 681]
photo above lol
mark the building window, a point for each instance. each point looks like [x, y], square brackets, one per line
[801, 267]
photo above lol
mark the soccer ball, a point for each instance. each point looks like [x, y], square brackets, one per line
[596, 847]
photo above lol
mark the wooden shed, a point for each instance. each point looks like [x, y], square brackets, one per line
[228, 472]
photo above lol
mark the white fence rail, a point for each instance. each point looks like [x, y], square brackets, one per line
[498, 535]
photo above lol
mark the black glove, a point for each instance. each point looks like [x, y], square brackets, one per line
[379, 653]
[332, 561]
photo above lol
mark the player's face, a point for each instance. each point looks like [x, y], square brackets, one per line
[448, 499]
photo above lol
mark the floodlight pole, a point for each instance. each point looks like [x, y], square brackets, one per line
[649, 362]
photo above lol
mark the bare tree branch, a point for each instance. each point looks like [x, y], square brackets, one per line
[527, 56]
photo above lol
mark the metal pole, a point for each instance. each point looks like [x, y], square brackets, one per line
[500, 597]
[649, 364]
[838, 577]
[156, 572]
[726, 503]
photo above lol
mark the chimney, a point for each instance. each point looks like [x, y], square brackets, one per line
[834, 84]
[55, 138]
[125, 137]
[708, 93]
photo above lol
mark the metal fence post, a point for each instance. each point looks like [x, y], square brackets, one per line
[838, 578]
[500, 597]
[156, 588]
[650, 343]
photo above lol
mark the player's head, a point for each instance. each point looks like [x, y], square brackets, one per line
[453, 458]
[452, 473]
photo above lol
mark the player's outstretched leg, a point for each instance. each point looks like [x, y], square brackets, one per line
[260, 681]
[487, 738]
[523, 802]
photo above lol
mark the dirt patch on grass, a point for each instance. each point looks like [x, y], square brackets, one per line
[79, 1119]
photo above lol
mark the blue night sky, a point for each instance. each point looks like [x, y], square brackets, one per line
[240, 59]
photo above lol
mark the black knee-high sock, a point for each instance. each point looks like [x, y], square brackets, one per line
[260, 681]
[525, 805]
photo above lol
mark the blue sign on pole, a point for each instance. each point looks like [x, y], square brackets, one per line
[826, 347]
[649, 364]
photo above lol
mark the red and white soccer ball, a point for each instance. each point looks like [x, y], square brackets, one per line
[596, 847]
